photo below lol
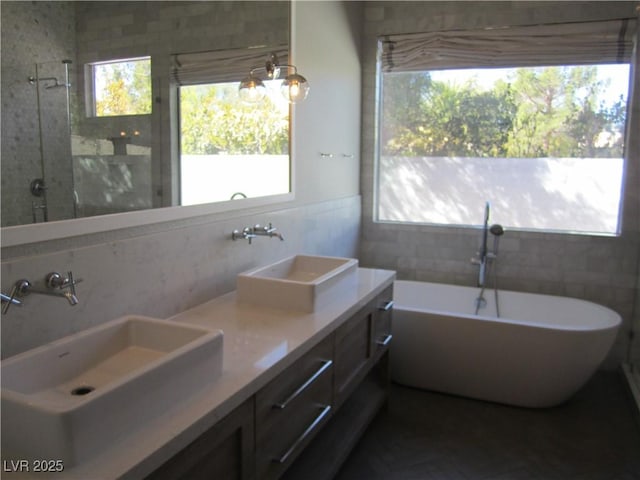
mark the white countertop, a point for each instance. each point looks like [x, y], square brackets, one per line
[259, 343]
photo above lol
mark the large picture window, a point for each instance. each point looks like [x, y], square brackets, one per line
[537, 135]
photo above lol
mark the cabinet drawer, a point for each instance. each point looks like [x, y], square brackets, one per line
[291, 408]
[352, 352]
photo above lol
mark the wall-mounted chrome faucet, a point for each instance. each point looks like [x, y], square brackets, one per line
[55, 285]
[250, 233]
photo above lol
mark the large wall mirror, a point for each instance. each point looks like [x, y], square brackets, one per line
[98, 119]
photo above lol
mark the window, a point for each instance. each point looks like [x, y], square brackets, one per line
[121, 87]
[230, 149]
[541, 138]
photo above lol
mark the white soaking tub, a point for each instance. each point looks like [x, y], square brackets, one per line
[539, 352]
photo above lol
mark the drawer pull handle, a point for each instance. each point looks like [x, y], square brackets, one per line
[385, 341]
[325, 410]
[386, 306]
[325, 365]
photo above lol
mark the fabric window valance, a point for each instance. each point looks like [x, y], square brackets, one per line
[219, 66]
[555, 44]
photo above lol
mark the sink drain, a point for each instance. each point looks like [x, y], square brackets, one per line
[83, 390]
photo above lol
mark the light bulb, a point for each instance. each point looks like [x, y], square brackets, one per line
[252, 89]
[294, 88]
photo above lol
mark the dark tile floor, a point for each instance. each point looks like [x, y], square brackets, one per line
[424, 435]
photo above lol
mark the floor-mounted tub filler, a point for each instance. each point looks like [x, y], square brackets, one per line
[539, 352]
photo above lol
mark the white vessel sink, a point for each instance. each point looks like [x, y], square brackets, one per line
[302, 282]
[69, 399]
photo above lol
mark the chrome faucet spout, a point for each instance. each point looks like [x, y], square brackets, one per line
[67, 294]
[71, 298]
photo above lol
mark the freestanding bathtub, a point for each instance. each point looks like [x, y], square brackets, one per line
[539, 352]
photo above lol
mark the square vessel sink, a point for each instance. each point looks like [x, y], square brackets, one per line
[69, 399]
[302, 282]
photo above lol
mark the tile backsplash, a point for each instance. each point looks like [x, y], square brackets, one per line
[160, 274]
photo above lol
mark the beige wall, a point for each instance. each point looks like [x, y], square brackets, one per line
[600, 269]
[328, 162]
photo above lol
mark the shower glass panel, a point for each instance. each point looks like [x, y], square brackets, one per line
[52, 188]
[83, 165]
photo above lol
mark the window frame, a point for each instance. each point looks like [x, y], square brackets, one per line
[178, 134]
[90, 86]
[378, 124]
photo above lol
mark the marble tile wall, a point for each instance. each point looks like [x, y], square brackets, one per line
[162, 273]
[600, 269]
[33, 33]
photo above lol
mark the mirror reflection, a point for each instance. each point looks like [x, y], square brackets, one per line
[102, 113]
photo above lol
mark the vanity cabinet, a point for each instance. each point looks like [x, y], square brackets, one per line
[360, 342]
[361, 386]
[225, 451]
[303, 423]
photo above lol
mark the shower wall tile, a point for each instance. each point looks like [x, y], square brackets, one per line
[600, 269]
[139, 30]
[32, 32]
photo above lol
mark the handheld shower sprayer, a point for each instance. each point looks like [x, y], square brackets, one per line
[497, 231]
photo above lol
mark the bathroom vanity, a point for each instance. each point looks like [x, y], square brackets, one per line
[295, 392]
[304, 422]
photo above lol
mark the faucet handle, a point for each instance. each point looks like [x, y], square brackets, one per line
[55, 280]
[19, 289]
[11, 298]
[71, 283]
